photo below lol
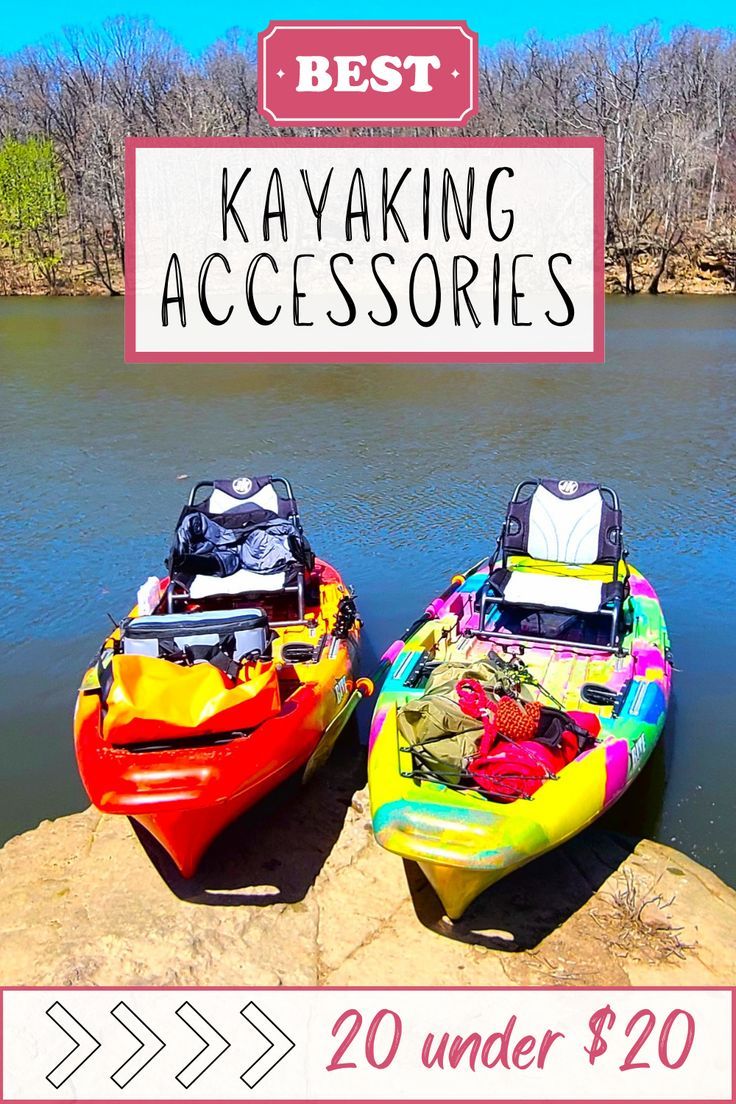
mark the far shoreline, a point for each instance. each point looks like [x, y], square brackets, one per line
[669, 293]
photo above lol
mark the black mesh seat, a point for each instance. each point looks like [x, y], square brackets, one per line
[241, 537]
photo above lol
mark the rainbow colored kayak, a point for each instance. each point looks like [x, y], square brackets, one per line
[558, 602]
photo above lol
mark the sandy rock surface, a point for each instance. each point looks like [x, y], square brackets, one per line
[298, 893]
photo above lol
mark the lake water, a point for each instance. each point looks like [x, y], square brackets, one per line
[402, 474]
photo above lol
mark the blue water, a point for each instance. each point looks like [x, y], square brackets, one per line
[402, 474]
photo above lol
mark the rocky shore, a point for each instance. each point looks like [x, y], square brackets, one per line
[708, 272]
[298, 893]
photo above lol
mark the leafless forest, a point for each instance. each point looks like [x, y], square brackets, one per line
[666, 107]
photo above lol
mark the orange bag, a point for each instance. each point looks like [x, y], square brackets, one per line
[149, 699]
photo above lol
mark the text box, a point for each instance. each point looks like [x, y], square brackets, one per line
[368, 250]
[352, 73]
[368, 1044]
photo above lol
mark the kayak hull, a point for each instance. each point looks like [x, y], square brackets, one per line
[186, 834]
[457, 888]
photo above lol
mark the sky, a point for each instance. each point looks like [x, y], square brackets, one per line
[196, 25]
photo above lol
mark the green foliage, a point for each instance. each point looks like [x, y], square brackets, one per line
[32, 202]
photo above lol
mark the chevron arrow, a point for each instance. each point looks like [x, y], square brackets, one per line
[279, 1044]
[214, 1047]
[149, 1047]
[84, 1045]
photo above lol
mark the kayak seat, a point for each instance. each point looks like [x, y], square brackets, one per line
[243, 538]
[573, 532]
[242, 582]
[564, 522]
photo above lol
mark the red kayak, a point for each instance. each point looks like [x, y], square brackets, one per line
[199, 706]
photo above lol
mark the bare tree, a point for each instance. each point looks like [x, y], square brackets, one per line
[666, 108]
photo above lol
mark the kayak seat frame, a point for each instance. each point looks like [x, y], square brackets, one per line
[274, 495]
[566, 525]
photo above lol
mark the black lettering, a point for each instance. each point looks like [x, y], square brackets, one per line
[344, 291]
[517, 295]
[203, 273]
[387, 205]
[360, 212]
[277, 212]
[459, 289]
[179, 297]
[318, 208]
[393, 309]
[464, 220]
[565, 297]
[496, 287]
[249, 278]
[297, 293]
[489, 204]
[426, 183]
[437, 291]
[229, 209]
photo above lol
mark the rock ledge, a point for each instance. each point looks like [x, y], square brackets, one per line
[298, 893]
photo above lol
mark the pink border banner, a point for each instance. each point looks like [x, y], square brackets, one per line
[381, 78]
[368, 1044]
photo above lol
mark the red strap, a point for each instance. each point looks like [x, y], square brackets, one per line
[475, 702]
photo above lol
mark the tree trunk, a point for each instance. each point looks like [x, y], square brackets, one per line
[653, 288]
